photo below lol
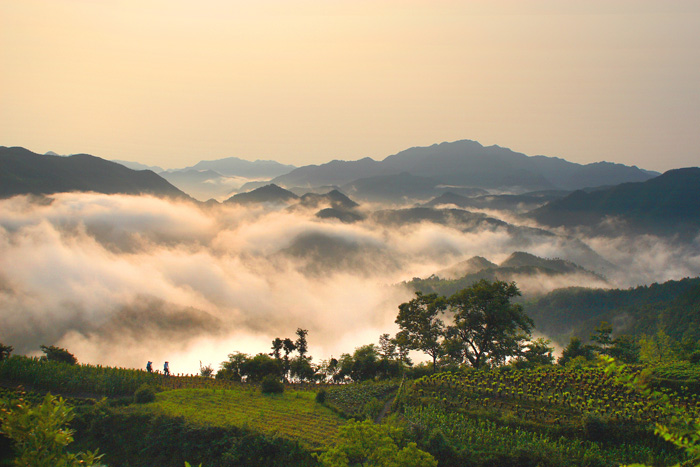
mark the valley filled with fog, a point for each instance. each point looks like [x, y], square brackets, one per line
[122, 279]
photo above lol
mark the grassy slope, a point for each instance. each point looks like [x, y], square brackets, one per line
[293, 415]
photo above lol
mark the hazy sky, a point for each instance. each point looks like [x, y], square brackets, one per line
[173, 82]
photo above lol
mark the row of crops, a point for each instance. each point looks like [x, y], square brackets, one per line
[559, 391]
[360, 400]
[61, 377]
[292, 415]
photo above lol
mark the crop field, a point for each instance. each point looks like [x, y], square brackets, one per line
[565, 416]
[552, 395]
[293, 414]
[93, 379]
[358, 400]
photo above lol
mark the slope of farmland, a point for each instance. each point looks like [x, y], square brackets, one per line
[293, 415]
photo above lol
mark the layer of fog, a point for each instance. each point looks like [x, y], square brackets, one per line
[120, 280]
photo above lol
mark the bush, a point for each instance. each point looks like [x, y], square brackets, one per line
[57, 354]
[695, 357]
[271, 385]
[321, 396]
[144, 394]
[5, 351]
[595, 428]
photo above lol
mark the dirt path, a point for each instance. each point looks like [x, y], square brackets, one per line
[385, 410]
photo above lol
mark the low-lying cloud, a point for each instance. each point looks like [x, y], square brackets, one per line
[121, 280]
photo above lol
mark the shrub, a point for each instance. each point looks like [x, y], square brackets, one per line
[5, 351]
[144, 394]
[695, 357]
[271, 385]
[595, 428]
[57, 354]
[321, 396]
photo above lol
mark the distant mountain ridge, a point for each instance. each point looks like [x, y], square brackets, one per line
[667, 204]
[469, 164]
[517, 266]
[25, 172]
[233, 166]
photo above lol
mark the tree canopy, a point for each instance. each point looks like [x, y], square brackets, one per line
[486, 326]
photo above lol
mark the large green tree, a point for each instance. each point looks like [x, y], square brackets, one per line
[421, 326]
[490, 327]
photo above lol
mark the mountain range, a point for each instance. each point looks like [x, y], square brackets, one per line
[468, 164]
[25, 172]
[518, 265]
[667, 204]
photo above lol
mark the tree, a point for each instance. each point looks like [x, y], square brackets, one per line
[233, 368]
[289, 347]
[260, 366]
[624, 348]
[41, 436]
[421, 327]
[387, 347]
[276, 348]
[490, 327]
[538, 352]
[301, 345]
[5, 351]
[576, 348]
[205, 371]
[57, 354]
[602, 336]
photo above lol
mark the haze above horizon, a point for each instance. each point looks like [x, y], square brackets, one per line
[306, 82]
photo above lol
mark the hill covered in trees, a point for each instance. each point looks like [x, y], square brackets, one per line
[673, 306]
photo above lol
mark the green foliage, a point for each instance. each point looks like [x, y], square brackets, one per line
[146, 436]
[206, 371]
[5, 351]
[92, 379]
[602, 336]
[368, 444]
[659, 348]
[681, 427]
[673, 306]
[490, 327]
[321, 396]
[57, 354]
[421, 327]
[576, 348]
[537, 352]
[694, 357]
[271, 384]
[144, 394]
[351, 399]
[40, 434]
[293, 415]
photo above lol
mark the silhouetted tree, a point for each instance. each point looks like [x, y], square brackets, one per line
[5, 351]
[57, 354]
[232, 369]
[421, 327]
[301, 344]
[490, 327]
[276, 348]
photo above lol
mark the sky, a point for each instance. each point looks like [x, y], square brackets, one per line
[170, 83]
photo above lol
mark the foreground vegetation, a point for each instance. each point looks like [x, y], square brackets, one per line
[490, 396]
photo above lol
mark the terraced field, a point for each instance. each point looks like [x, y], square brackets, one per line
[294, 414]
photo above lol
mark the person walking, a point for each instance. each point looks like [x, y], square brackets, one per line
[166, 369]
[149, 367]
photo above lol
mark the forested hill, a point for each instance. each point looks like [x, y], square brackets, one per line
[673, 306]
[667, 204]
[25, 172]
